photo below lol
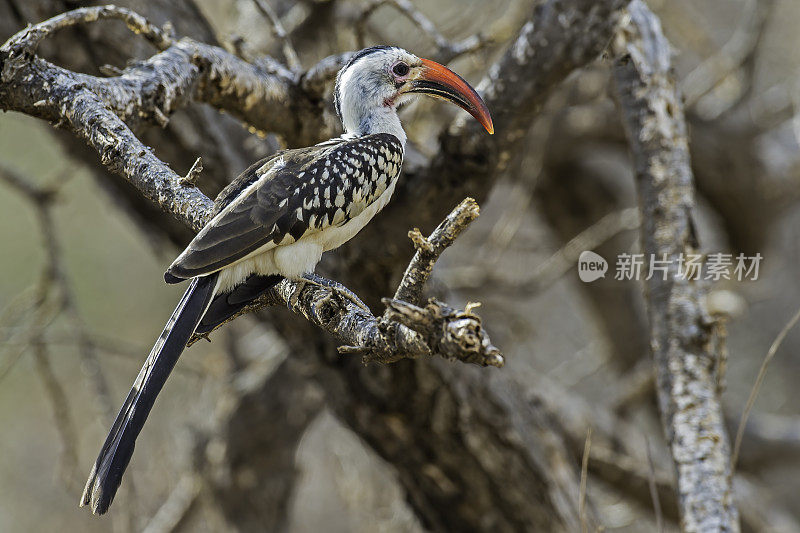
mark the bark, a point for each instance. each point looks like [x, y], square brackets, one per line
[684, 340]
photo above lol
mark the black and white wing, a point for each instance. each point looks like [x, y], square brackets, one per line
[287, 196]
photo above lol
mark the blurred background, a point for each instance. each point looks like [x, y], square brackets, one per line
[739, 69]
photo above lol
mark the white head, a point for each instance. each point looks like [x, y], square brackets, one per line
[375, 80]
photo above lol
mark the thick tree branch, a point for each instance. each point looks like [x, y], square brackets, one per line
[682, 332]
[28, 40]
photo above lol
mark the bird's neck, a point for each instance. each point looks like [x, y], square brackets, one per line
[382, 119]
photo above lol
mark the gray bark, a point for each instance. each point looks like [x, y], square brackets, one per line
[684, 343]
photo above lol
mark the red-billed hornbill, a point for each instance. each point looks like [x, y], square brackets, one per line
[277, 218]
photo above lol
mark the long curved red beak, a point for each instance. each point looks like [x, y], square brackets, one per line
[440, 82]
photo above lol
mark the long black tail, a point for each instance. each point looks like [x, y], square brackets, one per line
[227, 304]
[116, 453]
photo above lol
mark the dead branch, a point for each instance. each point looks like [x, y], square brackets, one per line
[584, 480]
[29, 39]
[451, 333]
[289, 52]
[681, 329]
[429, 249]
[762, 372]
[175, 508]
[651, 471]
[447, 50]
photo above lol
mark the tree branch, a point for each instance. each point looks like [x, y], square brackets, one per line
[28, 40]
[682, 332]
[429, 249]
[447, 50]
[289, 52]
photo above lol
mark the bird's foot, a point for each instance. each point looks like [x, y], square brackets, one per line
[337, 288]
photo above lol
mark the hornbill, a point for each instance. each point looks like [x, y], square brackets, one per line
[277, 218]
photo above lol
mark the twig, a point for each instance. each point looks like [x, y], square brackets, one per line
[733, 53]
[105, 345]
[584, 479]
[53, 296]
[760, 510]
[635, 385]
[428, 250]
[61, 415]
[565, 258]
[651, 473]
[22, 185]
[447, 50]
[321, 75]
[543, 274]
[55, 391]
[631, 476]
[177, 505]
[762, 372]
[508, 223]
[776, 435]
[190, 178]
[13, 318]
[289, 52]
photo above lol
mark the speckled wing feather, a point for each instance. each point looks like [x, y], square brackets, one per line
[287, 196]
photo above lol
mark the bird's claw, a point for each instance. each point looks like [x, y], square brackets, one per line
[338, 288]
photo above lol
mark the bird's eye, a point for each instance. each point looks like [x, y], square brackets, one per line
[400, 69]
